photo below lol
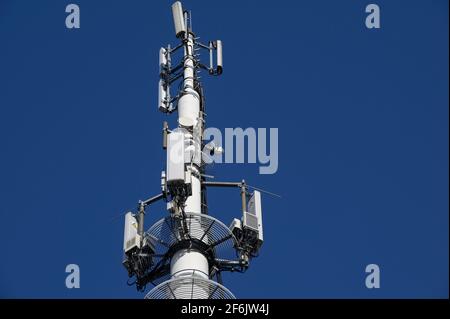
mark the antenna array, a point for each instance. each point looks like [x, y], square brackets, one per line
[184, 254]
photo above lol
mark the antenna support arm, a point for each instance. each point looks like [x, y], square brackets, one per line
[224, 184]
[151, 200]
[242, 185]
[141, 211]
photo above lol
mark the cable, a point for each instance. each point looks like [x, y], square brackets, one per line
[264, 191]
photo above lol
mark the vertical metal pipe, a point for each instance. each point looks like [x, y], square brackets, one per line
[165, 128]
[141, 219]
[244, 196]
[186, 262]
[211, 66]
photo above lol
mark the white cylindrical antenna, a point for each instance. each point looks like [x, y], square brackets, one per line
[211, 66]
[178, 19]
[219, 57]
[162, 60]
[163, 97]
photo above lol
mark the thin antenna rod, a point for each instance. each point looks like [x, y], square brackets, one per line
[264, 191]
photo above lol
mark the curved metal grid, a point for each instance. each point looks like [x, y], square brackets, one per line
[192, 287]
[169, 231]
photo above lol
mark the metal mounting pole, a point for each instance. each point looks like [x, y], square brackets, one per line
[141, 219]
[244, 197]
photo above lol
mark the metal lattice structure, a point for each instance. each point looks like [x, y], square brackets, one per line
[202, 232]
[189, 288]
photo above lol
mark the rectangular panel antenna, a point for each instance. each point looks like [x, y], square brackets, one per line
[175, 158]
[131, 239]
[254, 208]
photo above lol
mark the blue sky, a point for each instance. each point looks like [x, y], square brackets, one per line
[363, 141]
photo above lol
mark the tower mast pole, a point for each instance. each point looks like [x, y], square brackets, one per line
[187, 261]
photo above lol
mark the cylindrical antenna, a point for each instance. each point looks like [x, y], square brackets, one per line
[162, 60]
[219, 57]
[178, 19]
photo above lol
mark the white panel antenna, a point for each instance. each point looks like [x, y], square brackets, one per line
[163, 61]
[175, 158]
[219, 57]
[164, 104]
[131, 239]
[254, 209]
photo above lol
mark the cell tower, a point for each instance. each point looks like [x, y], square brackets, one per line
[184, 254]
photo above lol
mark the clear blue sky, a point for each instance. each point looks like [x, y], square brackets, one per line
[363, 150]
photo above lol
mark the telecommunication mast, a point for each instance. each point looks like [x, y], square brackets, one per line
[184, 253]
